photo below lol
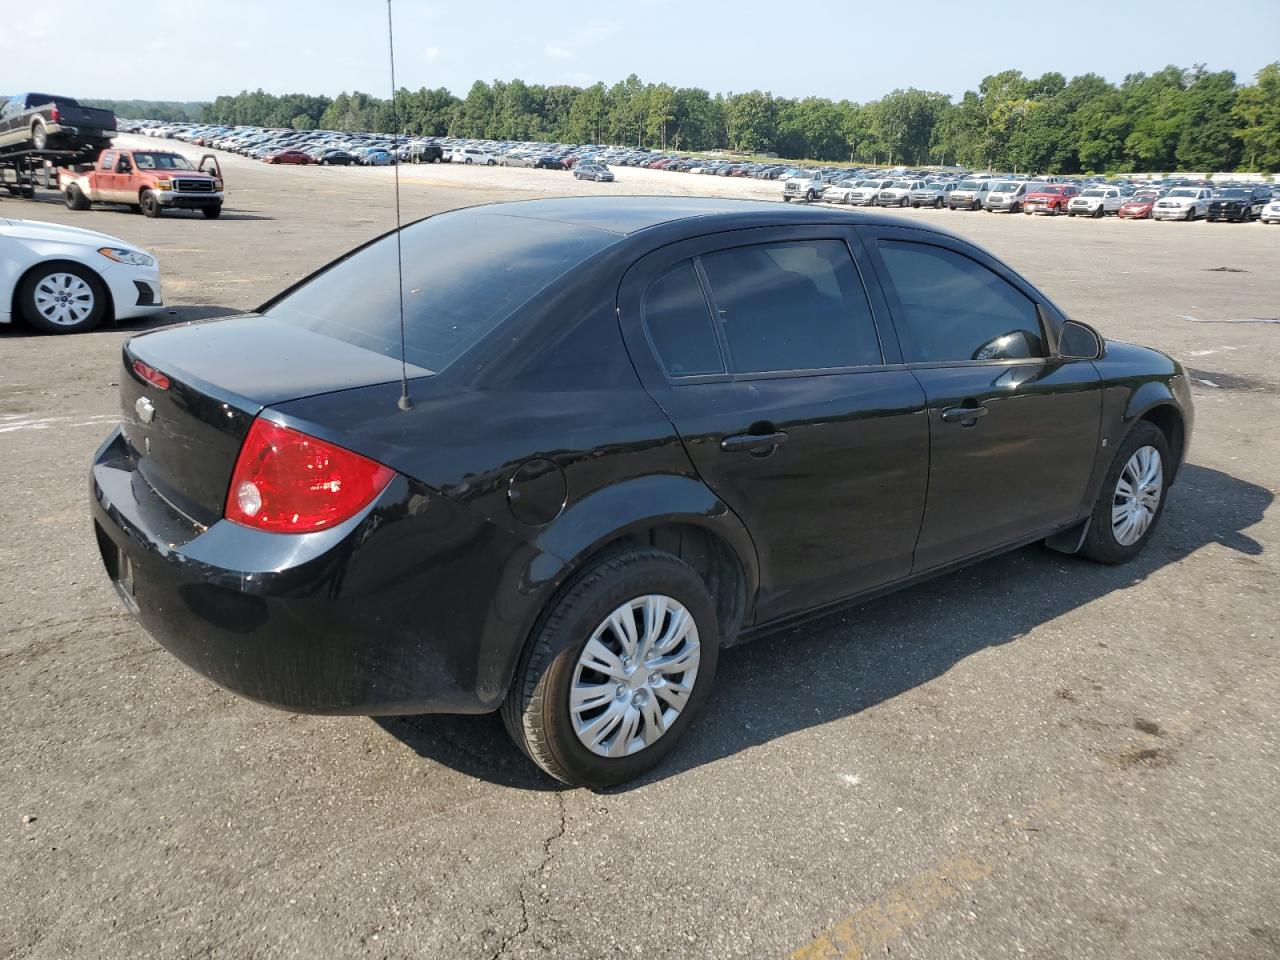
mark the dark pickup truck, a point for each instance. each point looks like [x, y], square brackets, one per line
[42, 121]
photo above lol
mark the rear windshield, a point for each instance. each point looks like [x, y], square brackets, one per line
[464, 274]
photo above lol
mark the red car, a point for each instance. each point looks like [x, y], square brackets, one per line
[1138, 207]
[289, 156]
[1052, 199]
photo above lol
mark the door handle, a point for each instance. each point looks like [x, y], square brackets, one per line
[965, 414]
[753, 441]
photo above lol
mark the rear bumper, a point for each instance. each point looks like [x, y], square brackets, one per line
[395, 611]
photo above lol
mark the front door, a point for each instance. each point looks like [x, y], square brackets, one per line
[1013, 430]
[776, 368]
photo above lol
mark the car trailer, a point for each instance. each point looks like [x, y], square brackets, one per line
[22, 172]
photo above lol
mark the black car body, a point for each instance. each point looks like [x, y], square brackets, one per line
[1240, 204]
[42, 121]
[571, 396]
[336, 158]
[426, 153]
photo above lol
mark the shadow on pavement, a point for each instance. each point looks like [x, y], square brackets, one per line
[846, 662]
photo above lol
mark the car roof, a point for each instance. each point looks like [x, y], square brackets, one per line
[625, 216]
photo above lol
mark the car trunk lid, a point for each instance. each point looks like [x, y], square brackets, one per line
[185, 423]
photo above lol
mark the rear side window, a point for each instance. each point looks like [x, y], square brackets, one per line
[679, 324]
[465, 273]
[954, 308]
[792, 306]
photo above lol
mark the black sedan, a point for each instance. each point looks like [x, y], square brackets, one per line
[630, 432]
[336, 158]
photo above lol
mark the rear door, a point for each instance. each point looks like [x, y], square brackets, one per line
[1013, 429]
[774, 360]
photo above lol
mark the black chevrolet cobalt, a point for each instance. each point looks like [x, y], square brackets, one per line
[636, 431]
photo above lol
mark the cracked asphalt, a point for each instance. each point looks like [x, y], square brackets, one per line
[1036, 757]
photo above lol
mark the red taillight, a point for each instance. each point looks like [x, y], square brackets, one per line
[288, 482]
[54, 115]
[151, 375]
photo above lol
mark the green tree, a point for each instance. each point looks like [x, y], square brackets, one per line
[1257, 117]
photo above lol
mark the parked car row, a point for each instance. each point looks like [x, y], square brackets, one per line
[1094, 197]
[1240, 203]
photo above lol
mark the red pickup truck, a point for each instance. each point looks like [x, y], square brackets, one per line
[147, 180]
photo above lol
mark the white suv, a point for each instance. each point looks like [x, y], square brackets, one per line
[1095, 202]
[471, 155]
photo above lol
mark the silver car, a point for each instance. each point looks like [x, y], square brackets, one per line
[1008, 195]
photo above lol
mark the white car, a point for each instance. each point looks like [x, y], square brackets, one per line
[865, 193]
[1271, 212]
[1182, 203]
[66, 280]
[1095, 202]
[898, 193]
[471, 155]
[839, 192]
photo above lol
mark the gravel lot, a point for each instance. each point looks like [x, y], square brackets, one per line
[1036, 757]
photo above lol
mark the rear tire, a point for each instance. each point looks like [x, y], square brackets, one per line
[538, 712]
[39, 136]
[1102, 544]
[75, 198]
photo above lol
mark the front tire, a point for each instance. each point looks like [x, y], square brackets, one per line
[62, 298]
[1132, 498]
[212, 213]
[150, 206]
[616, 670]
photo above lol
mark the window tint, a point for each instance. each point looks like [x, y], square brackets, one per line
[956, 309]
[679, 323]
[465, 273]
[792, 306]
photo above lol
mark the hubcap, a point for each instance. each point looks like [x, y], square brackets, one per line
[634, 676]
[1137, 496]
[64, 299]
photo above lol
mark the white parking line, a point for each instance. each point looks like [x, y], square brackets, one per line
[12, 424]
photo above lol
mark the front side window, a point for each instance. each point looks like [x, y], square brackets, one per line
[954, 308]
[792, 306]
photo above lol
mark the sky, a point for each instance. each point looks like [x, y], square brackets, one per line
[195, 51]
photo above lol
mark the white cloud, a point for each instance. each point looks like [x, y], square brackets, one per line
[557, 52]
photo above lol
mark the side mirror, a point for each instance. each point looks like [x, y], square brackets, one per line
[1078, 342]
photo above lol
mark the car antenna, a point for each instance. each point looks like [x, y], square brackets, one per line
[404, 403]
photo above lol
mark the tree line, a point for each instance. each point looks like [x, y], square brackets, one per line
[173, 111]
[1174, 119]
